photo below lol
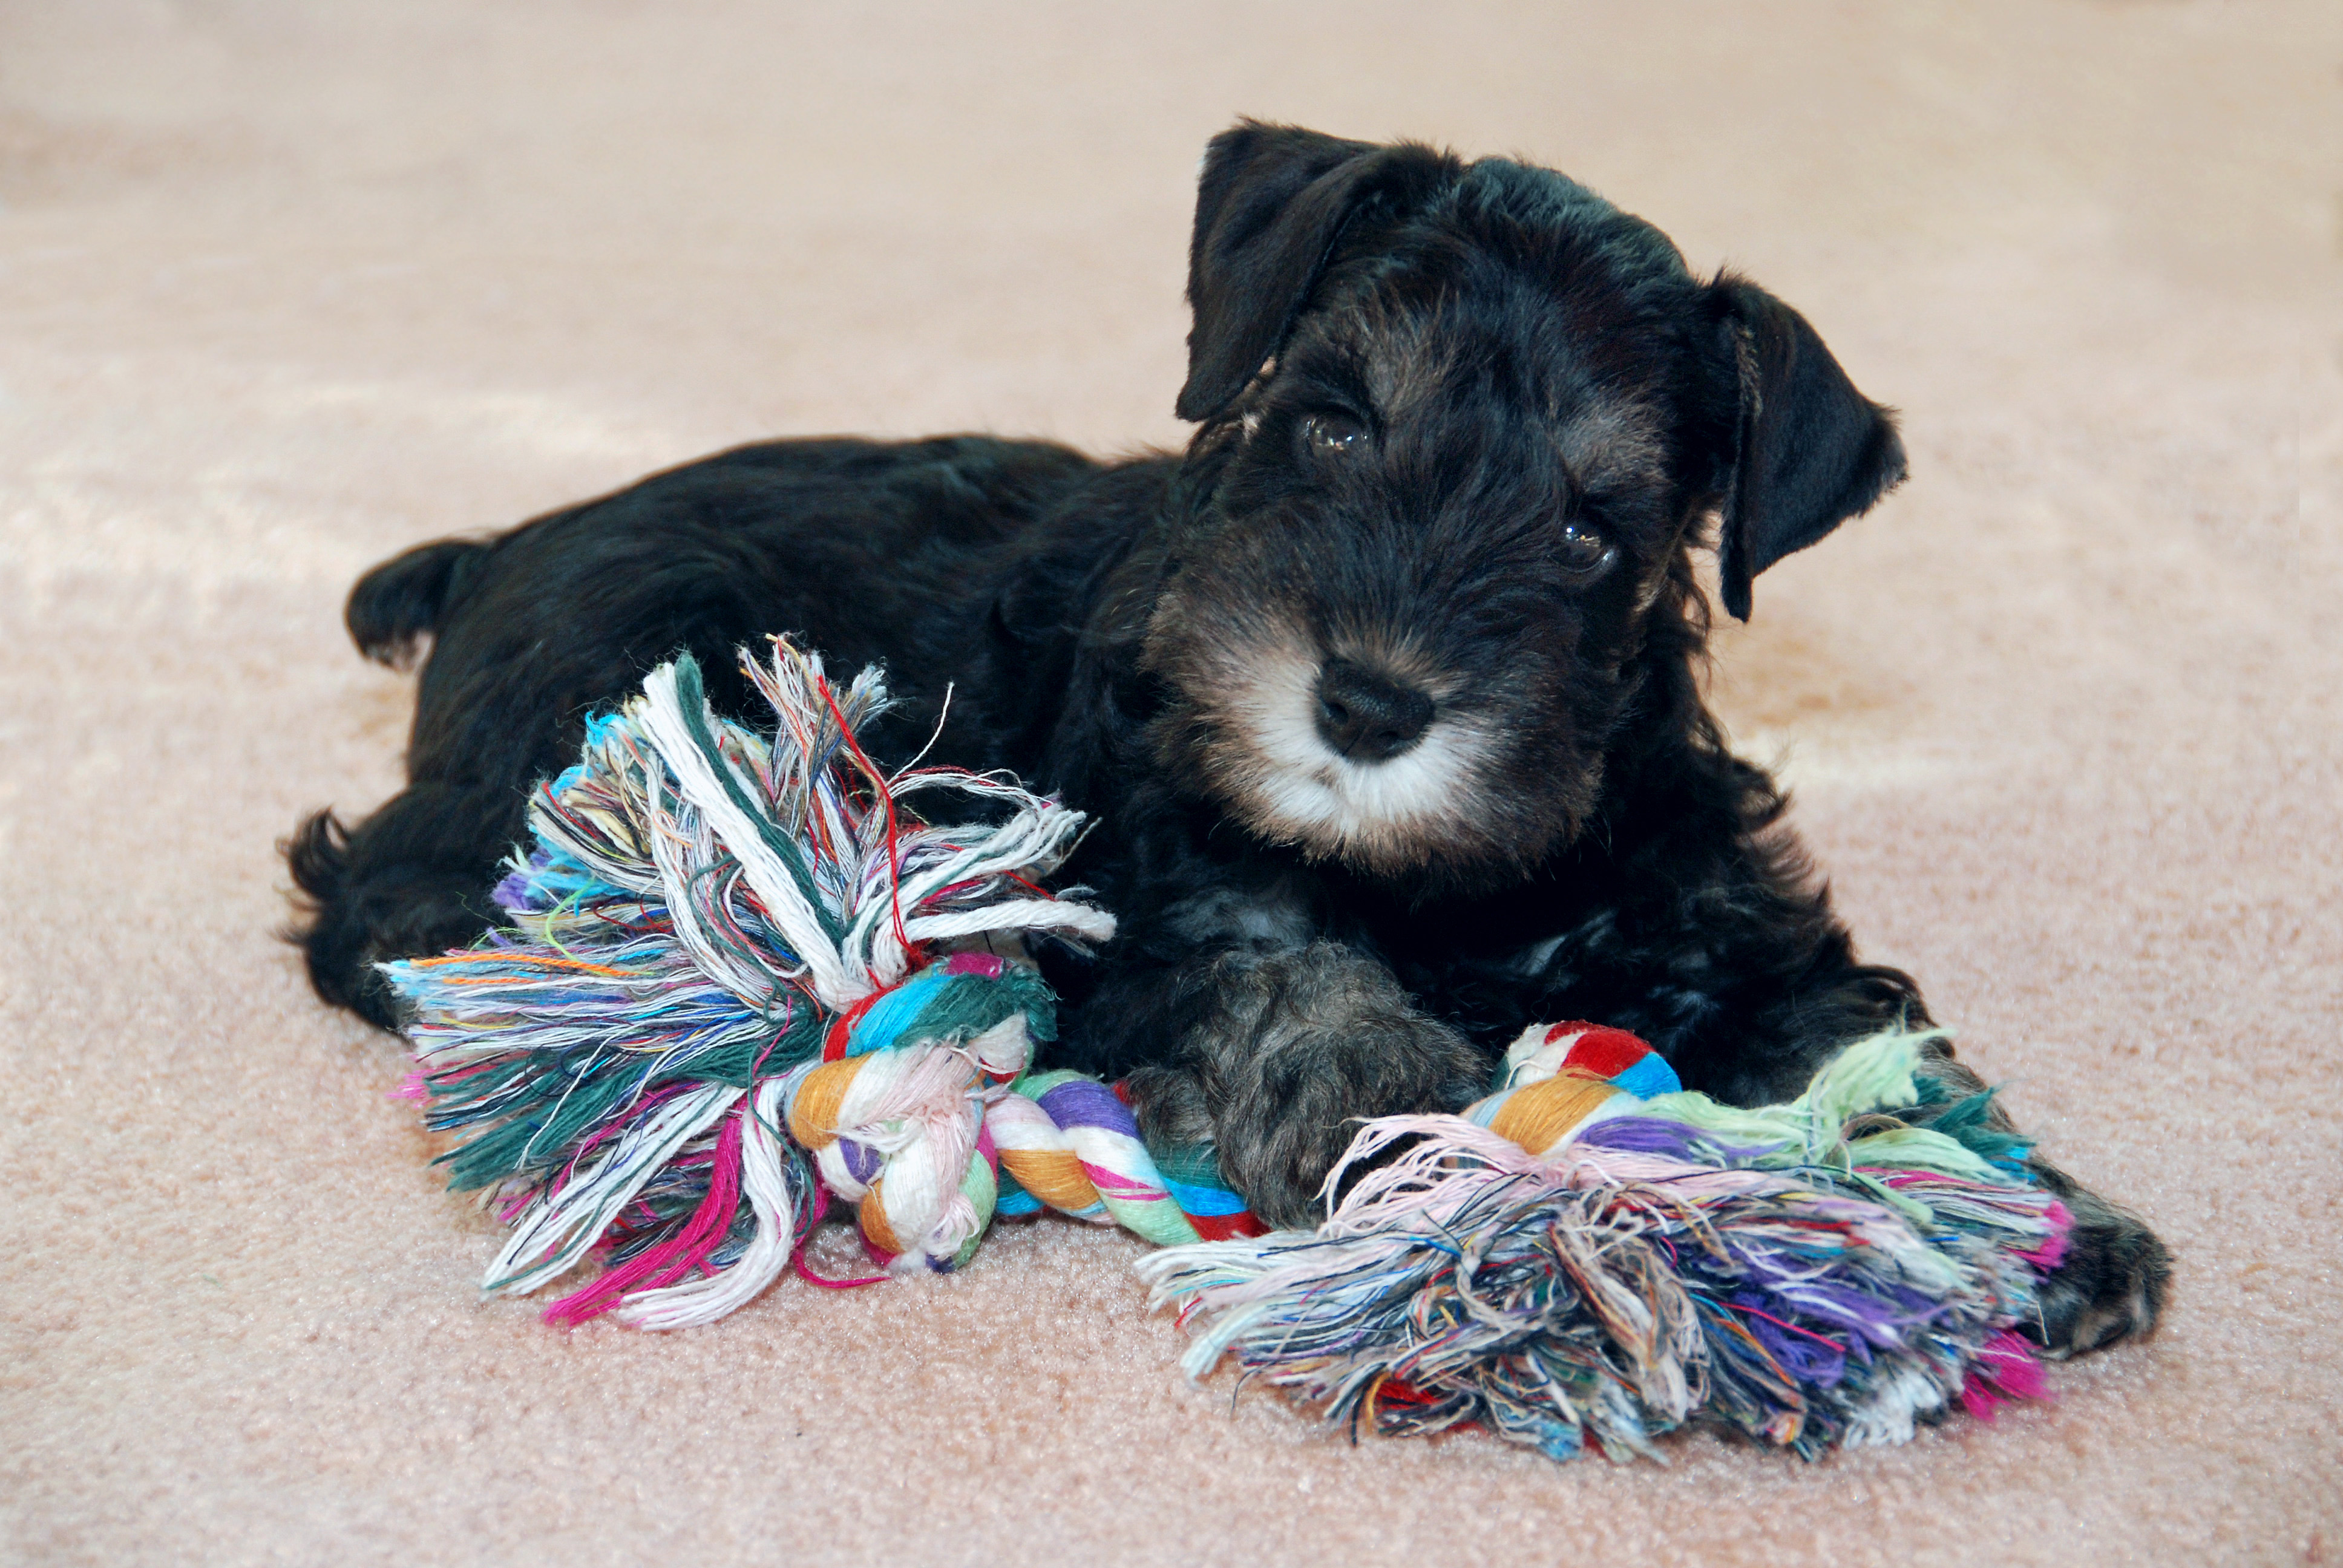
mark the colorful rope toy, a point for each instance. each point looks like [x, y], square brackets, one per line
[723, 995]
[1591, 1256]
[737, 981]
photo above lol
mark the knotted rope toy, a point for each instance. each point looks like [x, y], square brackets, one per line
[737, 981]
[1590, 1254]
[723, 994]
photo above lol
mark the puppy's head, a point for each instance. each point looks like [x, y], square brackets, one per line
[1460, 424]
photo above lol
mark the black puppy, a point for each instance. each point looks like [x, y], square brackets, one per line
[1383, 693]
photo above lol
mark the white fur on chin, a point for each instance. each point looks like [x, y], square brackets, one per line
[1387, 815]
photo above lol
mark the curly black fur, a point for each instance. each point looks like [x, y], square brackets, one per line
[1461, 427]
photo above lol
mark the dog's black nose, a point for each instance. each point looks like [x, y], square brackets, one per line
[1366, 718]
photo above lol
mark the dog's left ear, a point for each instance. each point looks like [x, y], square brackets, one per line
[1812, 450]
[1270, 206]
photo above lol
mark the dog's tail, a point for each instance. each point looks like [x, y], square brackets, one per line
[412, 877]
[393, 606]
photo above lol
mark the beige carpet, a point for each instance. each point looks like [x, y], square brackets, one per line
[285, 287]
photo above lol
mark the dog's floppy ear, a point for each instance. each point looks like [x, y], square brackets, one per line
[1271, 205]
[1812, 451]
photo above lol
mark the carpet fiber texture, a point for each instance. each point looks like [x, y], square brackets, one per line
[286, 287]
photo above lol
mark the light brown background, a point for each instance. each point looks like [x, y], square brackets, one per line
[285, 287]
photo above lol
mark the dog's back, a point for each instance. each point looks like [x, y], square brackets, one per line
[872, 551]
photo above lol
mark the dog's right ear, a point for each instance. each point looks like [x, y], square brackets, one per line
[1271, 205]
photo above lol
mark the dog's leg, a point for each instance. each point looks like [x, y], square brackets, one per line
[2113, 1281]
[414, 877]
[1283, 1053]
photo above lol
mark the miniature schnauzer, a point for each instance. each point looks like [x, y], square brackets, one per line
[1383, 693]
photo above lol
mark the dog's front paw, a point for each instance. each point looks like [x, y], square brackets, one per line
[1300, 1047]
[2112, 1283]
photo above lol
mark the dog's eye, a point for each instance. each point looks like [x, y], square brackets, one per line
[1583, 547]
[1332, 433]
